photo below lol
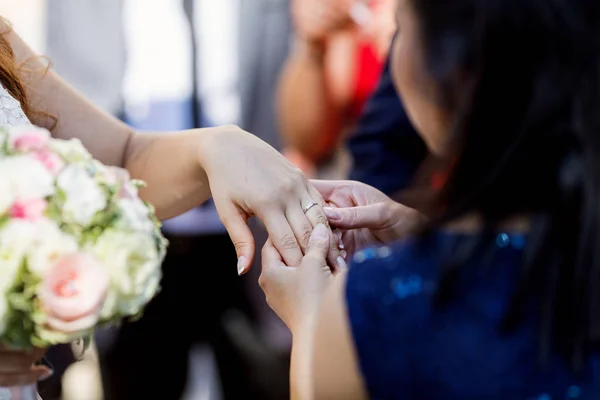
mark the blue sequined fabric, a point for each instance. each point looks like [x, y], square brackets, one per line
[410, 349]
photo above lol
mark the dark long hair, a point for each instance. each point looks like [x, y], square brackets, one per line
[522, 78]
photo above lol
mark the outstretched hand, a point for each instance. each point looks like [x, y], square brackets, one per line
[250, 178]
[365, 215]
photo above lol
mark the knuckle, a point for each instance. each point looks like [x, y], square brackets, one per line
[265, 200]
[263, 281]
[239, 244]
[353, 215]
[288, 242]
[322, 219]
[306, 232]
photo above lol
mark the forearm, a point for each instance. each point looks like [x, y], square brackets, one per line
[301, 369]
[308, 114]
[170, 164]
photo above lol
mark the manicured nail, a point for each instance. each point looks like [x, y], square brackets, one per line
[241, 265]
[332, 214]
[343, 254]
[342, 264]
[319, 233]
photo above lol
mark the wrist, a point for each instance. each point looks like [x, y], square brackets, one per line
[207, 144]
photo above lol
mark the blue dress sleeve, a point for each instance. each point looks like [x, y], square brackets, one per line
[387, 294]
[385, 148]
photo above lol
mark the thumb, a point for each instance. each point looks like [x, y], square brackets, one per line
[241, 236]
[318, 244]
[372, 216]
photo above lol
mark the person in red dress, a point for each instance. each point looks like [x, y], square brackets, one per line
[340, 50]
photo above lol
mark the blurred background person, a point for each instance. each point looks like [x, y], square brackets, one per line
[339, 52]
[85, 43]
[385, 149]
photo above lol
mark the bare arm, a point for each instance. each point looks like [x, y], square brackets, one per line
[247, 176]
[146, 156]
[313, 94]
[324, 361]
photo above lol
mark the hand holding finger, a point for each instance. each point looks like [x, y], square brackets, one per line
[316, 215]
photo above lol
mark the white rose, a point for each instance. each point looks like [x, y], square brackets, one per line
[135, 270]
[49, 245]
[23, 177]
[71, 150]
[15, 239]
[84, 198]
[134, 215]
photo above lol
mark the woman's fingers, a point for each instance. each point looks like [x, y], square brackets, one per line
[301, 226]
[283, 237]
[317, 216]
[318, 246]
[372, 216]
[236, 225]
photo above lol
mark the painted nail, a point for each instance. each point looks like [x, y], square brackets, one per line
[342, 264]
[332, 214]
[241, 265]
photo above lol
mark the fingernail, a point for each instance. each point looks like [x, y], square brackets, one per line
[341, 245]
[319, 233]
[344, 254]
[341, 263]
[338, 234]
[241, 265]
[332, 214]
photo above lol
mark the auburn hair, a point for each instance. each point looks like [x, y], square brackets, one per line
[9, 70]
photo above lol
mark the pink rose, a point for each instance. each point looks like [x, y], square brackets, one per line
[29, 140]
[73, 292]
[30, 210]
[51, 161]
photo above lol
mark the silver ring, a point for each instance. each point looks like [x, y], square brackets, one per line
[309, 206]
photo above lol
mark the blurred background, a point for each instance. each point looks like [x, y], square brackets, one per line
[180, 64]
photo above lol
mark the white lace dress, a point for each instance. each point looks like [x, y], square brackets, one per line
[11, 114]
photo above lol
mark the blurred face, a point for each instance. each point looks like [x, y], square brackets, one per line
[417, 90]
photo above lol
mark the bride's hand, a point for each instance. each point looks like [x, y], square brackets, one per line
[248, 177]
[16, 367]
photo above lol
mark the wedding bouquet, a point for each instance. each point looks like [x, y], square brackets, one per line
[78, 247]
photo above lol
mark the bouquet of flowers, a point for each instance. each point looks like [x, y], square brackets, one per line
[78, 247]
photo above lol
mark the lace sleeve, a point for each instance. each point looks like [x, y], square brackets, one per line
[11, 113]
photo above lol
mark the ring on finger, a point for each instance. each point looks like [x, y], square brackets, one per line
[309, 206]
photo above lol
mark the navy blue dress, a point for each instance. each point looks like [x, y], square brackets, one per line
[409, 350]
